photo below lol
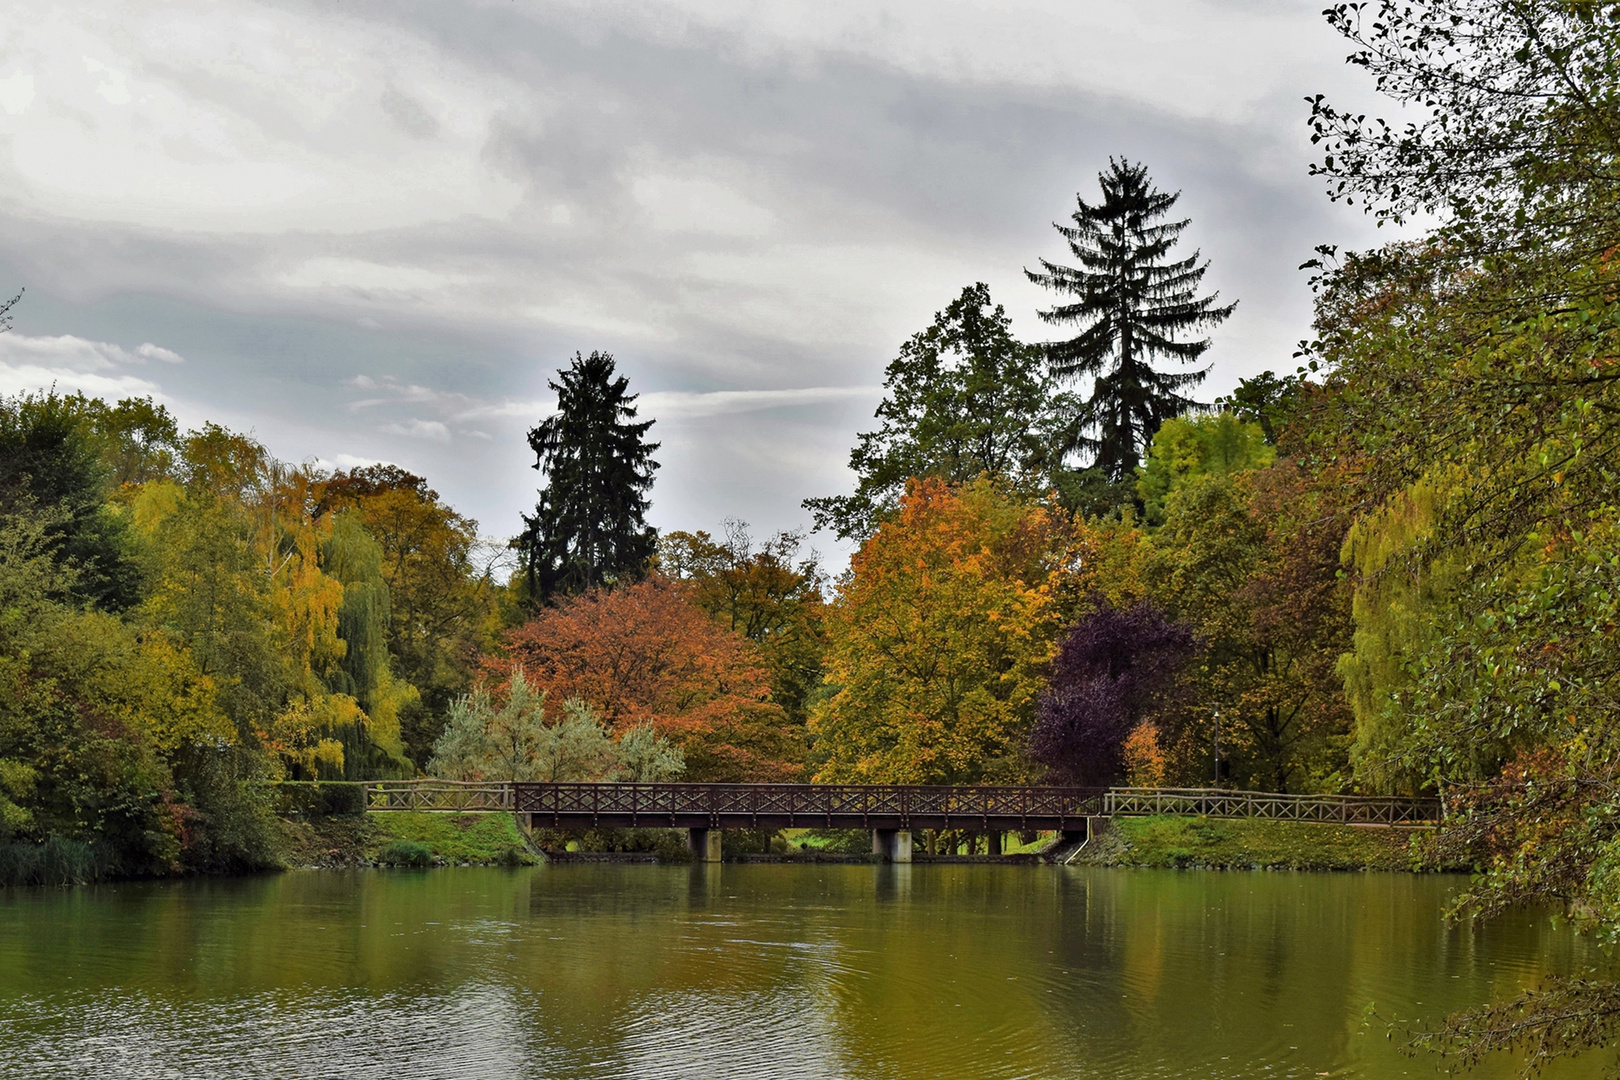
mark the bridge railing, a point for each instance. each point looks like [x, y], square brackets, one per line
[833, 803]
[439, 796]
[1219, 802]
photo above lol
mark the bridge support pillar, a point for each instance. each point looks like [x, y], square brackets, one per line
[893, 844]
[704, 845]
[992, 845]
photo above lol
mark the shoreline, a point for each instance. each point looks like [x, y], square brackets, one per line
[420, 840]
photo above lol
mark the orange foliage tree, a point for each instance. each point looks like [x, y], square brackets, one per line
[644, 653]
[940, 637]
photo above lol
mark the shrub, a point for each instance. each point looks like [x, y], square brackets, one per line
[748, 841]
[668, 844]
[230, 822]
[838, 841]
[57, 861]
[407, 853]
[303, 800]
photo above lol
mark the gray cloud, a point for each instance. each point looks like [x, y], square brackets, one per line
[373, 230]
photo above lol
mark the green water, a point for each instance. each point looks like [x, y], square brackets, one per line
[868, 972]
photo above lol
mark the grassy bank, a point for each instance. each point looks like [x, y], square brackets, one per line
[1172, 842]
[404, 839]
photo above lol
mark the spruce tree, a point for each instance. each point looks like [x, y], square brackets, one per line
[1133, 303]
[589, 527]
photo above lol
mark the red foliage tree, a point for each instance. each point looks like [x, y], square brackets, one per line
[644, 653]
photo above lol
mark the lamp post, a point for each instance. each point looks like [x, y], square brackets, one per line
[1217, 747]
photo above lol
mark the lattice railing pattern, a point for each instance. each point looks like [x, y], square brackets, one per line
[439, 796]
[852, 805]
[1221, 803]
[876, 805]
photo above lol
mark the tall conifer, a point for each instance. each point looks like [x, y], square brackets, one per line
[1133, 304]
[589, 527]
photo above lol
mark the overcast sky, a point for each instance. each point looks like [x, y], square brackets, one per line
[372, 230]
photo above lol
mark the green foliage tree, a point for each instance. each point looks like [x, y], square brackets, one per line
[514, 741]
[1474, 375]
[204, 589]
[49, 459]
[1185, 448]
[1133, 303]
[1267, 400]
[964, 397]
[140, 439]
[589, 528]
[364, 671]
[1513, 147]
[1250, 559]
[110, 739]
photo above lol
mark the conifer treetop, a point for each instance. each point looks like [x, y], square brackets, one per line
[589, 527]
[1133, 303]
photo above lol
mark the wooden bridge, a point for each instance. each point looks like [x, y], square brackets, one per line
[890, 811]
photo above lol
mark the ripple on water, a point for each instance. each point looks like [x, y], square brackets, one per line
[851, 973]
[283, 1035]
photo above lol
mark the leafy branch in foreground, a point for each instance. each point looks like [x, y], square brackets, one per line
[1474, 374]
[1519, 108]
[1561, 1018]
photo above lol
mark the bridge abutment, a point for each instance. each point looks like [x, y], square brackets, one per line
[704, 845]
[893, 844]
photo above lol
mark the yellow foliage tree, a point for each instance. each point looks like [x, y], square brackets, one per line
[236, 567]
[940, 636]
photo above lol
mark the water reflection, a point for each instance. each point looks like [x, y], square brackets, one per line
[759, 971]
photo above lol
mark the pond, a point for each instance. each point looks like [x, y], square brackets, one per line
[759, 971]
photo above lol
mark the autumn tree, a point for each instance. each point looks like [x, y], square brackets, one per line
[939, 637]
[770, 593]
[1243, 551]
[1115, 672]
[963, 397]
[288, 611]
[589, 529]
[442, 593]
[645, 654]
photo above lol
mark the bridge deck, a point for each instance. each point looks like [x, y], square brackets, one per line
[872, 806]
[834, 806]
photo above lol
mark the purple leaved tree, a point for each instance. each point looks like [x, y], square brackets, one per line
[1114, 669]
